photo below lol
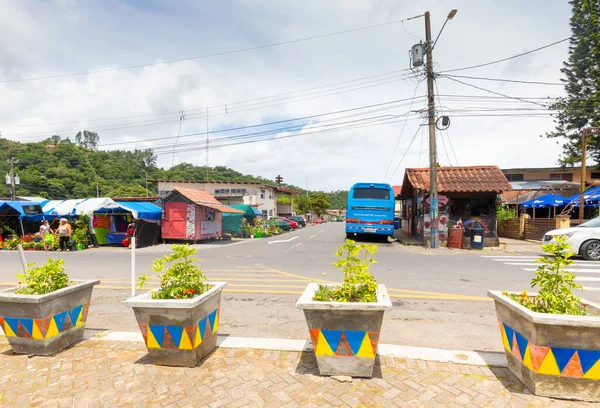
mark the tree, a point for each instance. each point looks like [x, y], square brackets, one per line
[87, 139]
[319, 203]
[581, 107]
[301, 204]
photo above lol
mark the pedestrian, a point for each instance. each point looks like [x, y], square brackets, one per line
[64, 232]
[46, 234]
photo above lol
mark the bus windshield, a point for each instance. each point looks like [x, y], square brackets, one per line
[371, 193]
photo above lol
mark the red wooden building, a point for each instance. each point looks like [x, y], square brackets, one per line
[193, 215]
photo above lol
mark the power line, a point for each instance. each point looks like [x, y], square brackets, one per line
[504, 80]
[494, 92]
[217, 54]
[437, 91]
[526, 151]
[378, 105]
[508, 58]
[406, 152]
[126, 125]
[401, 133]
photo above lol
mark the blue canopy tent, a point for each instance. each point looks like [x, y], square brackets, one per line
[147, 219]
[590, 197]
[548, 200]
[12, 214]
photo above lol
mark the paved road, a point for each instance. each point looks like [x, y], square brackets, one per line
[439, 296]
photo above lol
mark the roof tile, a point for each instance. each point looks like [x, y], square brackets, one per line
[468, 179]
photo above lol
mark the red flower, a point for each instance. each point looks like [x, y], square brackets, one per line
[189, 290]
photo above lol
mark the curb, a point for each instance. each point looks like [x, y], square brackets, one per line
[474, 358]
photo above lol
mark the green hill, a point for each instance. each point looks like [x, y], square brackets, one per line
[60, 169]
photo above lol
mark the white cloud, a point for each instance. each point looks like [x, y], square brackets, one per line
[45, 40]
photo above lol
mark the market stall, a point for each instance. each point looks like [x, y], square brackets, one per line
[111, 223]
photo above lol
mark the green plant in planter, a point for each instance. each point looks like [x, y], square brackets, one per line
[556, 284]
[80, 236]
[359, 284]
[182, 279]
[13, 243]
[39, 280]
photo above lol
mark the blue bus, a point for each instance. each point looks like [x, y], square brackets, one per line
[370, 210]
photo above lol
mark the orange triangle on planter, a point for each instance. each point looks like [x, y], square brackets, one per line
[343, 348]
[538, 353]
[374, 338]
[573, 367]
[515, 349]
[314, 337]
[144, 330]
[168, 342]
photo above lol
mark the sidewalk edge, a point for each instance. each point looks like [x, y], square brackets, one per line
[477, 358]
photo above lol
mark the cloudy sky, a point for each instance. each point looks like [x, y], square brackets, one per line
[328, 111]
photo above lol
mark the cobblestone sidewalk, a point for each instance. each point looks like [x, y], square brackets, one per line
[118, 374]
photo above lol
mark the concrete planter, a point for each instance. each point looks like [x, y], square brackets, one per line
[344, 335]
[179, 332]
[553, 355]
[46, 324]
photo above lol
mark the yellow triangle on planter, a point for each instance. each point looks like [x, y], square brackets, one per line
[185, 343]
[504, 338]
[198, 340]
[37, 334]
[8, 332]
[216, 325]
[549, 366]
[80, 318]
[323, 348]
[366, 350]
[527, 359]
[152, 343]
[52, 330]
[594, 372]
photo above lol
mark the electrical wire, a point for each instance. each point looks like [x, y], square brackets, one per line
[437, 92]
[401, 133]
[217, 54]
[508, 58]
[504, 80]
[494, 92]
[527, 151]
[406, 152]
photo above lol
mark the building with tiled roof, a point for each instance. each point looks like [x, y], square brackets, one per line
[467, 195]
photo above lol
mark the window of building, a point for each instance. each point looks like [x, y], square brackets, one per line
[561, 176]
[221, 192]
[265, 213]
[262, 194]
[596, 174]
[238, 191]
[515, 177]
[270, 213]
[270, 195]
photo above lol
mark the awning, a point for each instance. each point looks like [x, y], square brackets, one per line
[224, 209]
[548, 200]
[23, 208]
[142, 210]
[591, 196]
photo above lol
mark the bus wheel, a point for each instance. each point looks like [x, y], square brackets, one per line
[349, 235]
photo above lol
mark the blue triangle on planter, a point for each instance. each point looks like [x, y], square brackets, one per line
[355, 339]
[175, 332]
[522, 342]
[562, 356]
[74, 314]
[211, 319]
[59, 319]
[333, 338]
[13, 324]
[28, 324]
[158, 332]
[202, 326]
[588, 358]
[509, 334]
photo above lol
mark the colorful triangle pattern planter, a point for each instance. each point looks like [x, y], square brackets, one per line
[344, 343]
[555, 361]
[44, 329]
[178, 337]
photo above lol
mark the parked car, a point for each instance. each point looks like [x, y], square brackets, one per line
[319, 220]
[274, 222]
[294, 224]
[300, 220]
[584, 238]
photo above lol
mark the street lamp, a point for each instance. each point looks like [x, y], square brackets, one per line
[450, 17]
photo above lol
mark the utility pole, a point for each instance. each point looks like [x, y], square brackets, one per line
[11, 180]
[587, 132]
[433, 193]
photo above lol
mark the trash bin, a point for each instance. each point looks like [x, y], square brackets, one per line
[455, 236]
[477, 237]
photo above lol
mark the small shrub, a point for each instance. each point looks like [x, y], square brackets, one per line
[39, 280]
[504, 213]
[182, 279]
[359, 284]
[556, 284]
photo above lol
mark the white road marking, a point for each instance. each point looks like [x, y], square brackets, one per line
[510, 257]
[573, 270]
[586, 279]
[587, 265]
[283, 240]
[295, 246]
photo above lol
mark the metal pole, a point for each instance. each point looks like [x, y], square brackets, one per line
[433, 193]
[583, 154]
[22, 257]
[133, 266]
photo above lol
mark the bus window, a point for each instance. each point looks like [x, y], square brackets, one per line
[371, 193]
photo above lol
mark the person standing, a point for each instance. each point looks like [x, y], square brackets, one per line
[46, 234]
[64, 232]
